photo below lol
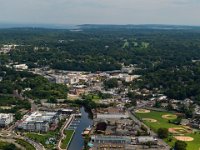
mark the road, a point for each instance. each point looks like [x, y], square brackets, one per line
[160, 141]
[38, 146]
[11, 135]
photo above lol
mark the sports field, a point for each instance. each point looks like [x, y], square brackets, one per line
[161, 120]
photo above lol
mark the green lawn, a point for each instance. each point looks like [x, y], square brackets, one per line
[163, 123]
[25, 144]
[42, 138]
[93, 97]
[65, 142]
[194, 145]
[6, 145]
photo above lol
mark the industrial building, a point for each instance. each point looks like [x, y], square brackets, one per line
[146, 139]
[111, 139]
[111, 116]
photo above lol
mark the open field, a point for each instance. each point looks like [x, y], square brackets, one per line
[6, 145]
[194, 140]
[42, 138]
[66, 140]
[25, 144]
[161, 122]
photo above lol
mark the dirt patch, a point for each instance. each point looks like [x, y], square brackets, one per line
[142, 111]
[180, 130]
[5, 134]
[184, 138]
[149, 120]
[169, 116]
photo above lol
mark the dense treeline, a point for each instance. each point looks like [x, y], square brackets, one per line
[37, 86]
[165, 56]
[14, 105]
[102, 49]
[176, 82]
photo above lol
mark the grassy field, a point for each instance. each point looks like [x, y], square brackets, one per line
[161, 122]
[7, 146]
[25, 144]
[42, 138]
[93, 97]
[65, 142]
[164, 123]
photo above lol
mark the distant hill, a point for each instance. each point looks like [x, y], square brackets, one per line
[142, 26]
[99, 26]
[48, 26]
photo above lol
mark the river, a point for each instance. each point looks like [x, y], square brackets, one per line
[78, 141]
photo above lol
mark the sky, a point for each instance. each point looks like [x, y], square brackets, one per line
[176, 12]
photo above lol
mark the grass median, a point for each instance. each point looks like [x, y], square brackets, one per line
[68, 136]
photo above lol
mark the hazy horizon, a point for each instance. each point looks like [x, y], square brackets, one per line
[76, 12]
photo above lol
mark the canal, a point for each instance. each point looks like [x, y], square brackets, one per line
[78, 141]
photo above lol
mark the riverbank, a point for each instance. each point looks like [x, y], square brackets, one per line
[77, 141]
[66, 124]
[68, 137]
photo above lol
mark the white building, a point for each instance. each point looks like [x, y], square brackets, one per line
[5, 119]
[129, 78]
[21, 66]
[39, 121]
[7, 48]
[73, 78]
[111, 116]
[61, 79]
[146, 139]
[125, 77]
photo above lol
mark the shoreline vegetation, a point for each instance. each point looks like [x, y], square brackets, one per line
[67, 140]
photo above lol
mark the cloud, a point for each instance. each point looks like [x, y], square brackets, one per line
[100, 11]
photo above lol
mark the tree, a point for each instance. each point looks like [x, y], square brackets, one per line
[101, 126]
[157, 104]
[52, 100]
[169, 106]
[18, 116]
[180, 145]
[10, 147]
[132, 98]
[163, 133]
[111, 83]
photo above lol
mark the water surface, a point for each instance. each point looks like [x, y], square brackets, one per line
[78, 141]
